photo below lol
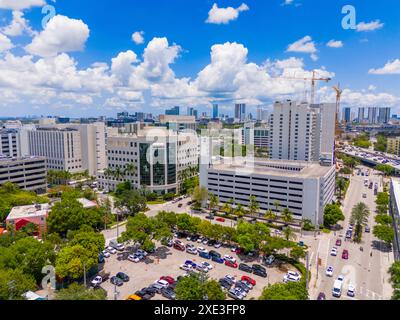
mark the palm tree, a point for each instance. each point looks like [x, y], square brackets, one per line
[254, 207]
[270, 215]
[340, 186]
[276, 204]
[130, 169]
[359, 217]
[118, 173]
[226, 208]
[287, 215]
[289, 234]
[214, 201]
[239, 211]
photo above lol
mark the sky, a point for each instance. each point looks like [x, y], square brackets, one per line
[91, 58]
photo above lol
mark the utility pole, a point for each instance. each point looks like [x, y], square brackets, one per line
[307, 265]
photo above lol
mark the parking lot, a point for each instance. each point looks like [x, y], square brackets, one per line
[166, 262]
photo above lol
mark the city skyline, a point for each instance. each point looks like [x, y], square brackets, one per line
[131, 65]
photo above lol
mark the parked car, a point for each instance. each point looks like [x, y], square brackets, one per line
[117, 246]
[186, 267]
[123, 276]
[217, 245]
[191, 250]
[260, 273]
[134, 258]
[249, 280]
[134, 297]
[345, 255]
[168, 293]
[215, 254]
[169, 279]
[111, 250]
[235, 294]
[220, 219]
[258, 267]
[367, 229]
[162, 283]
[351, 291]
[217, 259]
[231, 264]
[201, 268]
[225, 284]
[338, 242]
[204, 255]
[97, 281]
[269, 260]
[106, 254]
[321, 296]
[246, 268]
[116, 281]
[179, 246]
[292, 276]
[242, 286]
[201, 249]
[334, 252]
[190, 263]
[230, 279]
[229, 258]
[209, 266]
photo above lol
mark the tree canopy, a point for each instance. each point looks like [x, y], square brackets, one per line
[285, 291]
[332, 215]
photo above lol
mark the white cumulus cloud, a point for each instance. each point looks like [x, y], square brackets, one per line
[20, 4]
[225, 15]
[369, 26]
[392, 67]
[138, 37]
[335, 44]
[62, 34]
[304, 45]
[18, 26]
[5, 43]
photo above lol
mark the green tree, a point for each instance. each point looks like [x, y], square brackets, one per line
[341, 185]
[214, 201]
[240, 211]
[285, 291]
[386, 169]
[213, 291]
[359, 217]
[14, 283]
[332, 215]
[76, 291]
[189, 288]
[200, 195]
[384, 233]
[381, 144]
[131, 202]
[254, 206]
[297, 253]
[289, 234]
[383, 219]
[270, 215]
[287, 216]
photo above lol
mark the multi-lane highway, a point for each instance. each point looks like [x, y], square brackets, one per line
[367, 266]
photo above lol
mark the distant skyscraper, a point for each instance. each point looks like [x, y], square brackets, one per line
[372, 115]
[215, 111]
[195, 114]
[361, 114]
[347, 115]
[384, 115]
[240, 111]
[262, 114]
[173, 111]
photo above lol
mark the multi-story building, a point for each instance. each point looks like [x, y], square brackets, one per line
[215, 111]
[153, 158]
[361, 115]
[173, 111]
[10, 143]
[347, 115]
[384, 115]
[28, 173]
[372, 115]
[178, 123]
[393, 145]
[70, 147]
[305, 188]
[240, 111]
[302, 132]
[262, 114]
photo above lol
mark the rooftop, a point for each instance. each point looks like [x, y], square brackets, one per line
[29, 211]
[396, 190]
[87, 203]
[279, 168]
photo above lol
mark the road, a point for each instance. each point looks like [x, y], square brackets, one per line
[367, 273]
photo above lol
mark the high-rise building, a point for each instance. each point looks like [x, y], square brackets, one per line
[262, 114]
[302, 132]
[347, 115]
[384, 115]
[240, 111]
[215, 111]
[361, 114]
[372, 115]
[10, 143]
[173, 111]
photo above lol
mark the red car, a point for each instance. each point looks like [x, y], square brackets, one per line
[345, 254]
[169, 279]
[220, 219]
[230, 264]
[249, 280]
[338, 242]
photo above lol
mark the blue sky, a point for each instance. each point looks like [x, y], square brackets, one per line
[250, 50]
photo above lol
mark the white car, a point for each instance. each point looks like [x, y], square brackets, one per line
[233, 249]
[191, 250]
[217, 245]
[207, 265]
[351, 291]
[186, 267]
[205, 241]
[200, 239]
[106, 254]
[162, 283]
[334, 252]
[111, 250]
[97, 281]
[141, 252]
[229, 258]
[201, 249]
[329, 271]
[292, 276]
[134, 258]
[231, 278]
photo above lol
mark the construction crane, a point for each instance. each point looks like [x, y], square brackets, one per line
[313, 80]
[339, 92]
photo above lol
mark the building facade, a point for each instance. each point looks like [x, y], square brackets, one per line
[393, 145]
[28, 173]
[384, 115]
[304, 188]
[240, 111]
[158, 157]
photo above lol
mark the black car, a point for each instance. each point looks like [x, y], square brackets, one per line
[225, 284]
[168, 293]
[214, 254]
[210, 217]
[246, 268]
[116, 281]
[260, 273]
[144, 295]
[194, 238]
[124, 277]
[212, 242]
[259, 268]
[242, 286]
